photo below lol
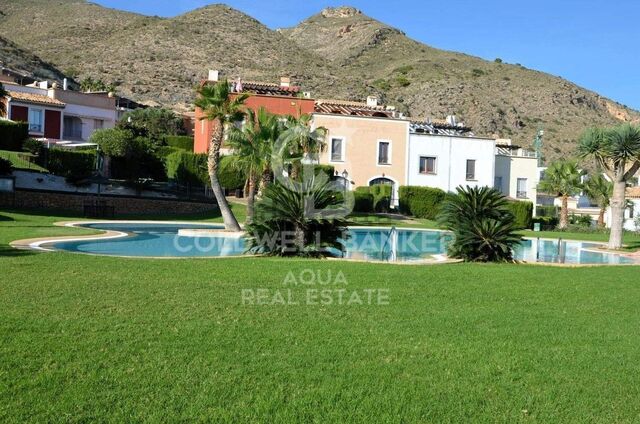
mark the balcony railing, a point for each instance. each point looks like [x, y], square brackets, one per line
[522, 153]
[521, 195]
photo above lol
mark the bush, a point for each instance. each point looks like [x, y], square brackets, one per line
[580, 220]
[74, 165]
[13, 135]
[187, 168]
[33, 146]
[548, 210]
[180, 142]
[6, 167]
[329, 170]
[164, 151]
[381, 194]
[363, 202]
[421, 202]
[523, 213]
[228, 174]
[546, 222]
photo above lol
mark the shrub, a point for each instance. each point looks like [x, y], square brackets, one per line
[13, 135]
[153, 123]
[74, 165]
[548, 210]
[329, 170]
[421, 202]
[402, 81]
[229, 175]
[180, 141]
[580, 220]
[164, 151]
[523, 213]
[282, 226]
[381, 194]
[546, 222]
[363, 202]
[33, 146]
[484, 230]
[187, 168]
[6, 167]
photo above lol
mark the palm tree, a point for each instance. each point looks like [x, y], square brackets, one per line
[304, 142]
[3, 93]
[617, 153]
[600, 190]
[562, 178]
[253, 145]
[311, 212]
[483, 227]
[219, 106]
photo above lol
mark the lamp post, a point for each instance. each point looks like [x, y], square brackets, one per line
[345, 180]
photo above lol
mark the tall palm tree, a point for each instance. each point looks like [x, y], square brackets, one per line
[253, 145]
[222, 109]
[600, 190]
[304, 141]
[562, 178]
[3, 108]
[617, 152]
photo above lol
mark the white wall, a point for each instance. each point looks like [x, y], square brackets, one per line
[88, 115]
[629, 219]
[510, 168]
[451, 155]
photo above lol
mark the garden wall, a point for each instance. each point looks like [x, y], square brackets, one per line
[122, 205]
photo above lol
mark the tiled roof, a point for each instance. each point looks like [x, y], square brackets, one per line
[633, 192]
[342, 107]
[34, 98]
[269, 88]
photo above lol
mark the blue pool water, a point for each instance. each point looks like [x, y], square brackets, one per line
[162, 240]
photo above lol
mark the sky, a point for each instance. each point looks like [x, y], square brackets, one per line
[594, 43]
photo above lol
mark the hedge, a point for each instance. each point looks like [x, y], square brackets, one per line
[187, 168]
[421, 202]
[180, 141]
[523, 212]
[228, 175]
[13, 135]
[74, 165]
[363, 202]
[381, 196]
[546, 222]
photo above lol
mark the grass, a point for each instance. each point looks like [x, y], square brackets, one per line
[87, 338]
[19, 162]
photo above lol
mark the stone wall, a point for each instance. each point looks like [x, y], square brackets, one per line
[122, 205]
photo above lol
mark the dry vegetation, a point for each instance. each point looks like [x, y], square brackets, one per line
[337, 53]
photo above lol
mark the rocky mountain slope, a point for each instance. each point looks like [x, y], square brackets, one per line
[338, 53]
[20, 60]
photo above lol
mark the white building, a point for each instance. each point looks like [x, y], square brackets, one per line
[448, 156]
[517, 174]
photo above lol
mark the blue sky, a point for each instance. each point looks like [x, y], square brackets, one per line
[594, 43]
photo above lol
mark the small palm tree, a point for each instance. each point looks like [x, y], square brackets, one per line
[304, 142]
[253, 145]
[484, 230]
[617, 153]
[301, 221]
[222, 109]
[600, 190]
[562, 178]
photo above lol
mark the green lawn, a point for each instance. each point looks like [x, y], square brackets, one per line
[87, 338]
[18, 160]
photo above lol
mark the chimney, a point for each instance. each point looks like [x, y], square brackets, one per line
[285, 82]
[372, 101]
[65, 84]
[451, 120]
[214, 75]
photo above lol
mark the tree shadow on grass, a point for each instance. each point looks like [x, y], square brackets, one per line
[6, 218]
[8, 251]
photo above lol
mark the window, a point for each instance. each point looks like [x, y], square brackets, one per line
[427, 165]
[497, 183]
[384, 153]
[521, 190]
[35, 120]
[471, 169]
[337, 149]
[72, 128]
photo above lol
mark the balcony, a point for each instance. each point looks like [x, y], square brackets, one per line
[521, 195]
[513, 151]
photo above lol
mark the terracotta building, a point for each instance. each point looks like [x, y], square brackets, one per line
[279, 99]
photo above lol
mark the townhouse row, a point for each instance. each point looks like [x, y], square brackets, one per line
[369, 143]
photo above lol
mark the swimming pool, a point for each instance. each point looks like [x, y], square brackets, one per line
[140, 239]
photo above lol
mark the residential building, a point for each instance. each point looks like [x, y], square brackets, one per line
[279, 99]
[447, 155]
[366, 142]
[516, 171]
[59, 115]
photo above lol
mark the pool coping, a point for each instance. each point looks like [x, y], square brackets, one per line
[439, 259]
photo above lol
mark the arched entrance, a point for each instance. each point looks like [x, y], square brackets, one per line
[387, 181]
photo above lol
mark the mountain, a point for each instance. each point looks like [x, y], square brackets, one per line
[17, 59]
[338, 53]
